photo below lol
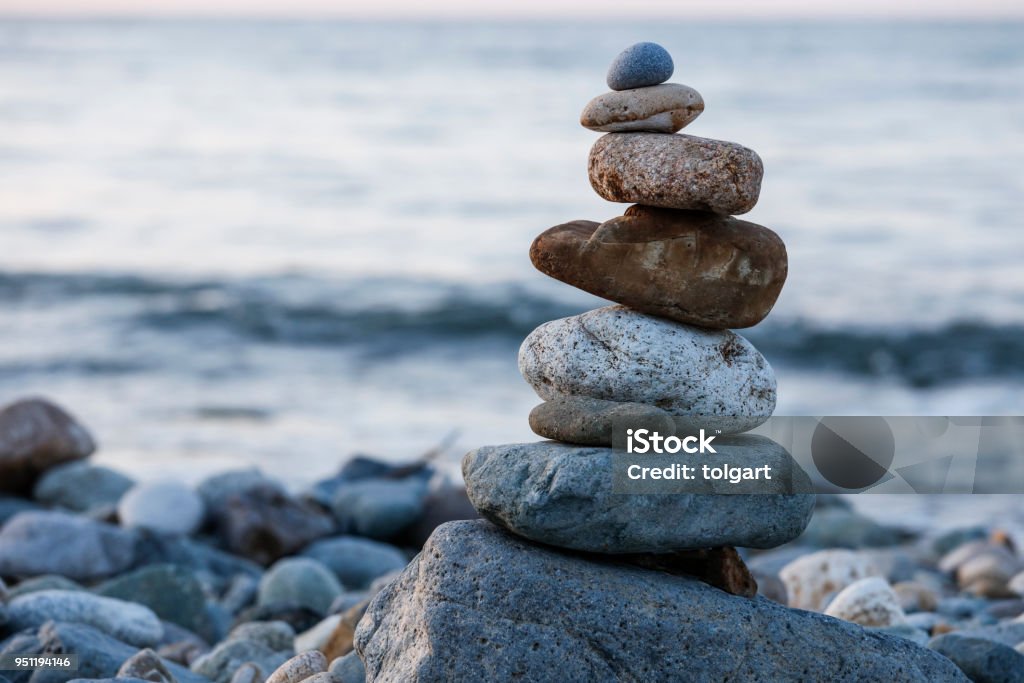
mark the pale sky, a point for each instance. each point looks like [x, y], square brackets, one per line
[580, 9]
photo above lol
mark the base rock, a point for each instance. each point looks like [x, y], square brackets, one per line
[481, 605]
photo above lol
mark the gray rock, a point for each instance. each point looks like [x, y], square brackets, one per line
[954, 538]
[349, 669]
[457, 614]
[676, 172]
[168, 507]
[241, 593]
[356, 561]
[379, 508]
[47, 582]
[126, 621]
[911, 633]
[146, 665]
[34, 543]
[216, 490]
[36, 435]
[224, 660]
[837, 527]
[172, 592]
[982, 660]
[591, 421]
[276, 635]
[716, 377]
[264, 523]
[563, 495]
[298, 617]
[324, 677]
[1009, 633]
[640, 65]
[300, 581]
[99, 655]
[200, 558]
[350, 599]
[665, 108]
[299, 668]
[11, 506]
[248, 673]
[79, 486]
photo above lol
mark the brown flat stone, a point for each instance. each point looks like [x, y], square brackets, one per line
[694, 267]
[676, 171]
[720, 567]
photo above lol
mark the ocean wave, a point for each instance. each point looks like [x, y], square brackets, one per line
[388, 316]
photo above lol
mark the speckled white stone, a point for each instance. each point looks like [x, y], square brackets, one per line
[166, 506]
[664, 108]
[812, 580]
[614, 353]
[868, 602]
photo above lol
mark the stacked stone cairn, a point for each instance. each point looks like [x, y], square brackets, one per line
[568, 580]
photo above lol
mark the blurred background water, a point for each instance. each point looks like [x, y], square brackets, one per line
[279, 243]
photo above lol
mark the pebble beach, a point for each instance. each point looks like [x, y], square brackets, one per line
[522, 562]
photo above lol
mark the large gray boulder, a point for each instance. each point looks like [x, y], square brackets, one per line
[565, 495]
[481, 605]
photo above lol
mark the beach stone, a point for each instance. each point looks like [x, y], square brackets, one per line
[640, 65]
[591, 421]
[349, 669]
[279, 636]
[99, 654]
[316, 637]
[446, 502]
[356, 561]
[868, 602]
[694, 267]
[79, 486]
[379, 508]
[342, 641]
[11, 506]
[665, 108]
[248, 673]
[300, 581]
[264, 524]
[299, 668]
[350, 599]
[456, 615]
[298, 617]
[36, 435]
[951, 561]
[563, 495]
[224, 660]
[45, 582]
[146, 665]
[1008, 633]
[715, 377]
[241, 593]
[906, 631]
[812, 580]
[216, 490]
[676, 172]
[131, 623]
[982, 660]
[1016, 584]
[205, 561]
[168, 507]
[172, 592]
[994, 564]
[35, 543]
[915, 597]
[838, 527]
[954, 538]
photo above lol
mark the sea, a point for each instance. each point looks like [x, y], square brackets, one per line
[230, 243]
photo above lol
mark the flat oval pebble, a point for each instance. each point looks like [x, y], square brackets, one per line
[715, 377]
[676, 172]
[591, 421]
[812, 580]
[665, 108]
[564, 495]
[694, 267]
[640, 65]
[868, 602]
[126, 621]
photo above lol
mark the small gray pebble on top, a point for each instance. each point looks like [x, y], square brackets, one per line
[639, 66]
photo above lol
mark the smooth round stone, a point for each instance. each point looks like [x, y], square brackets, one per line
[379, 508]
[591, 421]
[221, 663]
[563, 495]
[36, 435]
[812, 580]
[36, 543]
[982, 660]
[640, 65]
[693, 267]
[715, 377]
[165, 506]
[665, 108]
[300, 581]
[277, 635]
[172, 592]
[79, 486]
[146, 665]
[676, 172]
[915, 597]
[349, 668]
[126, 621]
[868, 602]
[356, 561]
[299, 668]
